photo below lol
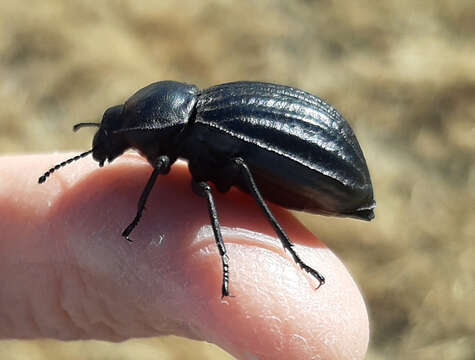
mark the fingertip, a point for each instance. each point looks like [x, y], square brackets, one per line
[276, 312]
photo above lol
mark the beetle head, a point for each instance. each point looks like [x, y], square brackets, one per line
[109, 144]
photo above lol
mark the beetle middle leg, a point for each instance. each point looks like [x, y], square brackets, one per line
[202, 189]
[284, 238]
[162, 166]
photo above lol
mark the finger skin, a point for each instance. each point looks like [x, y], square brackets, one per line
[66, 273]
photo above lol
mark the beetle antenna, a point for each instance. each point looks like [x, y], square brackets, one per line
[43, 178]
[85, 124]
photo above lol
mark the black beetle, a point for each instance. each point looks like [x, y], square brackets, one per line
[271, 141]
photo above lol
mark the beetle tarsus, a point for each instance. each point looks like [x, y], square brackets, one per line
[225, 286]
[204, 190]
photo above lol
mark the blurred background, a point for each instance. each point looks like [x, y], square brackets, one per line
[403, 74]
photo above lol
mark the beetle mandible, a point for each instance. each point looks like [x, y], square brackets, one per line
[274, 142]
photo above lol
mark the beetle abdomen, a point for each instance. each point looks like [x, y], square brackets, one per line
[291, 139]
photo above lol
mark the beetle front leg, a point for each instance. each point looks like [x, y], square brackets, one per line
[204, 190]
[284, 238]
[162, 166]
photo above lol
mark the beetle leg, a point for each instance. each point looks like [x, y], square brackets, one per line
[284, 238]
[204, 190]
[162, 165]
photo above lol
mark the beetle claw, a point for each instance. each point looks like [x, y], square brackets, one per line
[127, 232]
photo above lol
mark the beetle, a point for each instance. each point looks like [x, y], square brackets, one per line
[274, 142]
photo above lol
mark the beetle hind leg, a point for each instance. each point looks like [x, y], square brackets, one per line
[284, 238]
[202, 189]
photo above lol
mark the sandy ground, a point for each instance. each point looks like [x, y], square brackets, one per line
[402, 72]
